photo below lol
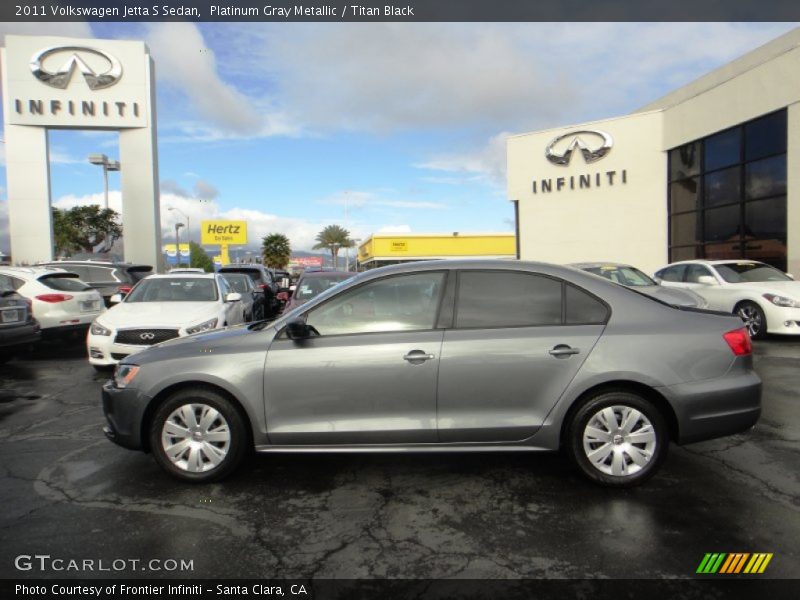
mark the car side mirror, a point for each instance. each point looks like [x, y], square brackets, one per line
[298, 330]
[790, 276]
[233, 297]
[115, 299]
[706, 280]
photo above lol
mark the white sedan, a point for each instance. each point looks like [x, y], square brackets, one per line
[160, 308]
[767, 299]
[60, 301]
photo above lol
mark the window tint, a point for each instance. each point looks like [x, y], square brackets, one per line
[401, 303]
[684, 195]
[723, 149]
[766, 136]
[5, 284]
[583, 308]
[672, 273]
[723, 187]
[64, 284]
[507, 299]
[684, 161]
[100, 274]
[765, 178]
[766, 218]
[694, 272]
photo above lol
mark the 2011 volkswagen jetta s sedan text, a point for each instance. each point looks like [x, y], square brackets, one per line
[422, 357]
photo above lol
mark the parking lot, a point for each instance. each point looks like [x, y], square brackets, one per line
[69, 493]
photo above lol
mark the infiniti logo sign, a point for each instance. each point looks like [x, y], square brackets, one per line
[592, 143]
[76, 60]
[147, 336]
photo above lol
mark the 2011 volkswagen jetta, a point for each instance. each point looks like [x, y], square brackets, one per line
[419, 357]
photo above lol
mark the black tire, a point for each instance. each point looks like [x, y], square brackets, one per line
[234, 452]
[753, 318]
[621, 453]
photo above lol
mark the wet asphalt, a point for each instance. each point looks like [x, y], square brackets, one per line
[67, 492]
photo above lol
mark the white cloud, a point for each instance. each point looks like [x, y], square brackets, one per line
[487, 162]
[75, 29]
[354, 199]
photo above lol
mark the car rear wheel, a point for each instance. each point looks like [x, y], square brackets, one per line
[754, 319]
[197, 435]
[618, 439]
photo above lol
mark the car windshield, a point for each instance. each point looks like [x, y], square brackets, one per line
[745, 272]
[183, 289]
[310, 287]
[238, 282]
[628, 276]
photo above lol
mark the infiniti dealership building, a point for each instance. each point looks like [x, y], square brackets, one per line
[708, 171]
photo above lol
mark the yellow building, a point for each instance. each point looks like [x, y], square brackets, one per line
[389, 249]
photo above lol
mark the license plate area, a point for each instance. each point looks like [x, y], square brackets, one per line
[11, 315]
[89, 305]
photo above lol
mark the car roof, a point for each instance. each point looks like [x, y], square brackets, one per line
[183, 276]
[34, 272]
[700, 261]
[594, 265]
[342, 274]
[97, 263]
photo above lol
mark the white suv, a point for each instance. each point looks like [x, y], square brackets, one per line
[61, 302]
[767, 299]
[161, 308]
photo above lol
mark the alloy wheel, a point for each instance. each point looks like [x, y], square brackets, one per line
[619, 440]
[196, 437]
[752, 318]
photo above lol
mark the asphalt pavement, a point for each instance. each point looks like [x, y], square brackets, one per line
[68, 493]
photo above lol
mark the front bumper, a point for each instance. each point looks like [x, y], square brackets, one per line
[124, 411]
[103, 351]
[782, 320]
[717, 407]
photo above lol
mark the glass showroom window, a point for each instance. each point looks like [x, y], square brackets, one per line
[727, 194]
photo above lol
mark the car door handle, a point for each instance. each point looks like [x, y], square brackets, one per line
[418, 356]
[562, 350]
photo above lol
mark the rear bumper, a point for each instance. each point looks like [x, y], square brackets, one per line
[715, 407]
[12, 337]
[124, 410]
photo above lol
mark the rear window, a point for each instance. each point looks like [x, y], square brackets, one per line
[237, 281]
[64, 283]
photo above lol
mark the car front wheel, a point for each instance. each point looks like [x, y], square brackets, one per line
[618, 439]
[754, 319]
[198, 436]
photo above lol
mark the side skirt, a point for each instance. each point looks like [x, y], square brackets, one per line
[399, 448]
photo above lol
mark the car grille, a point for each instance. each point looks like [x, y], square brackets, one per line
[145, 337]
[118, 355]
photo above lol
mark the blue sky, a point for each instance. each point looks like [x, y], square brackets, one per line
[400, 126]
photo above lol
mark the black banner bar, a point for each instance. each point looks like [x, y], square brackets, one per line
[398, 10]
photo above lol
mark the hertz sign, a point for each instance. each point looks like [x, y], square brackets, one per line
[215, 233]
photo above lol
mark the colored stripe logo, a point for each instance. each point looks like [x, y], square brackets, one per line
[734, 563]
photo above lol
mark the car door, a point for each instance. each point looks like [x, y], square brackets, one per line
[717, 296]
[516, 341]
[672, 276]
[369, 377]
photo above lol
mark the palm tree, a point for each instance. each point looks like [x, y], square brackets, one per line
[334, 237]
[276, 250]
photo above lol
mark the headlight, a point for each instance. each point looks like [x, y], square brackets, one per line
[782, 301]
[208, 325]
[98, 329]
[124, 374]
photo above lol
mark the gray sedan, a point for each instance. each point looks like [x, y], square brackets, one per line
[421, 357]
[632, 277]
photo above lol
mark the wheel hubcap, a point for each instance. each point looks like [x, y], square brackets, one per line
[619, 440]
[752, 319]
[196, 438]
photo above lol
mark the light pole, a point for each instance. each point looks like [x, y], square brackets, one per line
[178, 243]
[108, 165]
[354, 241]
[188, 230]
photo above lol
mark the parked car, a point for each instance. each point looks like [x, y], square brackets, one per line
[107, 277]
[60, 301]
[267, 303]
[311, 284]
[187, 270]
[418, 357]
[243, 285]
[159, 308]
[632, 277]
[766, 299]
[19, 331]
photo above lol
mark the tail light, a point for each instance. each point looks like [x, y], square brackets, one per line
[124, 289]
[262, 286]
[53, 298]
[739, 341]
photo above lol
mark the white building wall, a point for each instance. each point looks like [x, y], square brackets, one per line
[623, 222]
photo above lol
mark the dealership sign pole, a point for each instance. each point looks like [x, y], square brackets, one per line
[67, 83]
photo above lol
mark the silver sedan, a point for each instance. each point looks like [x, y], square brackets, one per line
[446, 356]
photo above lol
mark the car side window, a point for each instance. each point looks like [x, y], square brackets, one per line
[6, 284]
[672, 273]
[394, 303]
[583, 308]
[224, 288]
[488, 299]
[694, 272]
